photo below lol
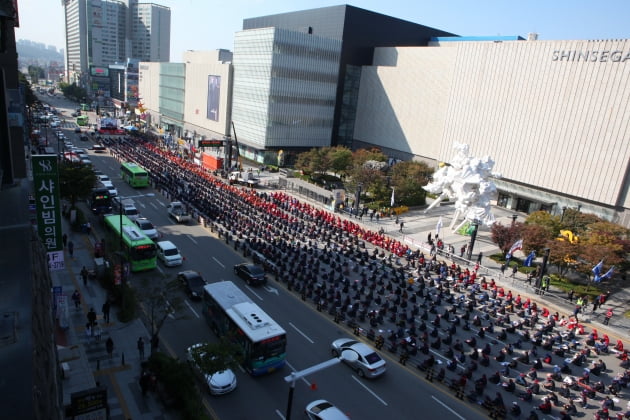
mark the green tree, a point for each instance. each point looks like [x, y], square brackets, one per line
[28, 90]
[218, 356]
[408, 178]
[340, 159]
[314, 161]
[545, 220]
[73, 91]
[36, 73]
[76, 181]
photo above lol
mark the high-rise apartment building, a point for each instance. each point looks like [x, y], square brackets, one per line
[150, 31]
[104, 32]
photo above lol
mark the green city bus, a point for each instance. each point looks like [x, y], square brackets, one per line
[231, 314]
[82, 120]
[139, 250]
[134, 174]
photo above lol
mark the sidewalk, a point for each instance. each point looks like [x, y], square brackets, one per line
[84, 359]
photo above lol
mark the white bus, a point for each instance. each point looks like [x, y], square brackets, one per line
[231, 314]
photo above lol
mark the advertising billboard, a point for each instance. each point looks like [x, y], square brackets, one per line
[47, 207]
[214, 97]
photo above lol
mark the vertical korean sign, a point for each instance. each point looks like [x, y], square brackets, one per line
[47, 204]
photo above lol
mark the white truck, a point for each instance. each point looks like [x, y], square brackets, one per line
[243, 178]
[178, 211]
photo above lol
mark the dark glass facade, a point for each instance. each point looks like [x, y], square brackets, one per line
[360, 31]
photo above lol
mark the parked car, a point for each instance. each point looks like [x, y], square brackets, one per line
[77, 129]
[193, 283]
[147, 227]
[218, 383]
[324, 410]
[368, 364]
[253, 274]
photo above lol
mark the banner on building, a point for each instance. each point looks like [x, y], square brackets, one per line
[214, 97]
[48, 209]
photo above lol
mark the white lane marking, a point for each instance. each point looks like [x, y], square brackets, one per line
[302, 378]
[153, 205]
[142, 205]
[159, 268]
[447, 407]
[301, 333]
[191, 238]
[161, 204]
[271, 290]
[369, 390]
[191, 308]
[280, 414]
[254, 293]
[218, 262]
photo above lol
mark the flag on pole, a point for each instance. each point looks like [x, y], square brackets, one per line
[438, 226]
[392, 200]
[517, 245]
[530, 259]
[608, 274]
[598, 268]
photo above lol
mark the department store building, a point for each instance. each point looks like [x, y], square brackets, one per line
[553, 115]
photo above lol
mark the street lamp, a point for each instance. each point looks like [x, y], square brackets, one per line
[347, 356]
[357, 200]
[543, 269]
[473, 237]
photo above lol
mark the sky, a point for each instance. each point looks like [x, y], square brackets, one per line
[205, 25]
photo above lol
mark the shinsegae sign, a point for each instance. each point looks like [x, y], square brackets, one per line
[47, 205]
[603, 56]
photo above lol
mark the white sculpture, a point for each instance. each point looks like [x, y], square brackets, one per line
[466, 180]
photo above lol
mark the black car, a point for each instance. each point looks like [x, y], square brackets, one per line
[193, 283]
[253, 274]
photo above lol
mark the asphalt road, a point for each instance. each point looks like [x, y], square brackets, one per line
[399, 394]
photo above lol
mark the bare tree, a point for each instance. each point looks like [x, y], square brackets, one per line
[159, 300]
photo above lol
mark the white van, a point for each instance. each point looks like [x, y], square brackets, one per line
[128, 208]
[169, 254]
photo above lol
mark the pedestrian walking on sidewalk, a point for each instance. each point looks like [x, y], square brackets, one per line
[84, 275]
[109, 346]
[141, 348]
[91, 317]
[97, 332]
[479, 257]
[144, 382]
[105, 310]
[64, 239]
[71, 249]
[609, 314]
[402, 225]
[595, 303]
[76, 298]
[462, 250]
[570, 296]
